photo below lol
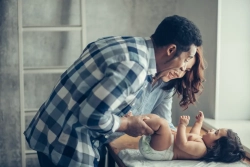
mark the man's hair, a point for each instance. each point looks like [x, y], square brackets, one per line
[191, 84]
[226, 149]
[179, 31]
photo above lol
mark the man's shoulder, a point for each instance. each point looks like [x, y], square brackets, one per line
[135, 47]
[126, 39]
[114, 49]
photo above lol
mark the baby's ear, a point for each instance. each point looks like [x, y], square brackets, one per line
[213, 144]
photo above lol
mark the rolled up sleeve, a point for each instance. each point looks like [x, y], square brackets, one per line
[164, 109]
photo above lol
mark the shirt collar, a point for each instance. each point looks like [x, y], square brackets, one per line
[151, 57]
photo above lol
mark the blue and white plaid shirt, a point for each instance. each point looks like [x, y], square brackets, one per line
[89, 99]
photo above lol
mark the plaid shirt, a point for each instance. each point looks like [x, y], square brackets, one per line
[89, 98]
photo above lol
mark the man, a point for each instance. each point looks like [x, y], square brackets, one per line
[89, 103]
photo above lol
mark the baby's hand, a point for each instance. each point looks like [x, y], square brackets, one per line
[184, 120]
[200, 117]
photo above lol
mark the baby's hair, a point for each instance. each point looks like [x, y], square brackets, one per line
[226, 149]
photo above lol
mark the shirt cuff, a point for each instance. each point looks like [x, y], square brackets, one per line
[172, 127]
[116, 124]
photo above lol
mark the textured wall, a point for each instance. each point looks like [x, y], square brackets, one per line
[125, 17]
[10, 145]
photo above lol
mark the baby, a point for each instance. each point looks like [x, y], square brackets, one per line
[222, 145]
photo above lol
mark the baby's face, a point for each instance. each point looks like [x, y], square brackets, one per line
[212, 135]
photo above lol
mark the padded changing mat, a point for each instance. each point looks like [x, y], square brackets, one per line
[133, 158]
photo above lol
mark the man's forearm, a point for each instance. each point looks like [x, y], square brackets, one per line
[123, 125]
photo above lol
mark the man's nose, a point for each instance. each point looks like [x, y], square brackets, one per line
[184, 67]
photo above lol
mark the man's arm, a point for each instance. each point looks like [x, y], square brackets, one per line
[135, 126]
[198, 123]
[119, 81]
[191, 147]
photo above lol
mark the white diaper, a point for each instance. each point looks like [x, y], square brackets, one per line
[148, 152]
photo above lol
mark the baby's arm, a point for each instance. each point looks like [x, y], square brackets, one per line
[194, 148]
[161, 139]
[198, 123]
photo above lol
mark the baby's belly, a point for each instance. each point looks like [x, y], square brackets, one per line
[179, 154]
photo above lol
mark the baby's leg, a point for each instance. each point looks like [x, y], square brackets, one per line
[162, 138]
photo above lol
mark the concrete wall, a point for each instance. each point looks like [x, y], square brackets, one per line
[125, 17]
[204, 14]
[10, 132]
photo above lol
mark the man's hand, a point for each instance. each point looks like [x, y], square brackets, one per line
[137, 127]
[200, 117]
[184, 120]
[129, 114]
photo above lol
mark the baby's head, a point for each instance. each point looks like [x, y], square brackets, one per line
[223, 145]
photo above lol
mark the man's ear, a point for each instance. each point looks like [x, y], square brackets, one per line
[171, 49]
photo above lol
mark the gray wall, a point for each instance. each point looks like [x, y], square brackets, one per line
[204, 14]
[125, 17]
[10, 134]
